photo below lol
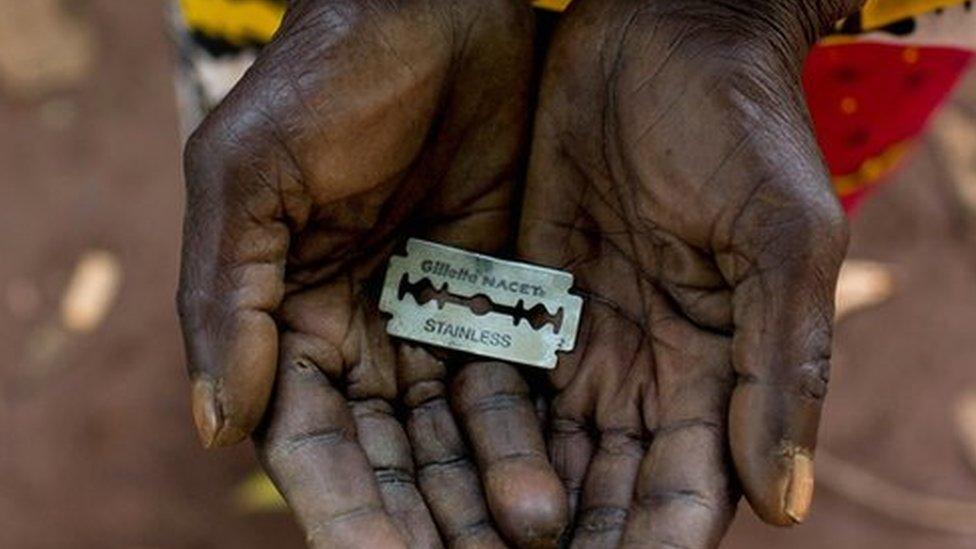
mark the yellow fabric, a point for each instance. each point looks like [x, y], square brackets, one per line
[242, 21]
[554, 5]
[236, 21]
[872, 170]
[257, 494]
[878, 13]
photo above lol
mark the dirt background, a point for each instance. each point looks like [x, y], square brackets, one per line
[96, 443]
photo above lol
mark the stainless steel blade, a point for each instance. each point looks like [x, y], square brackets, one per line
[509, 285]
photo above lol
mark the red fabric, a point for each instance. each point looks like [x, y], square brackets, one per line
[866, 98]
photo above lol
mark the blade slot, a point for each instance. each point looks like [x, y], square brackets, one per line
[424, 291]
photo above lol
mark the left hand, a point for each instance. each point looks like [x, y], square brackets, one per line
[675, 173]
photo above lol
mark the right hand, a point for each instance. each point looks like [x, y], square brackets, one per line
[362, 123]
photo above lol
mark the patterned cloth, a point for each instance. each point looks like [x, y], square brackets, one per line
[871, 87]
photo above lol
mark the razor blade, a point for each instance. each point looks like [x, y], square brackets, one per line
[479, 304]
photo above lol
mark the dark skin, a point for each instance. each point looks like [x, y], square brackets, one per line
[363, 123]
[673, 171]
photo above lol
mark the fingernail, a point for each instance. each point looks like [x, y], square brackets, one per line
[206, 413]
[799, 492]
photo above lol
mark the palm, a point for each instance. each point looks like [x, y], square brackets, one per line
[684, 190]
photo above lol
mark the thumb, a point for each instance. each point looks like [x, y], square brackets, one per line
[788, 247]
[234, 246]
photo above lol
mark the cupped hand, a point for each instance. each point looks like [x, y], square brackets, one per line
[675, 173]
[362, 123]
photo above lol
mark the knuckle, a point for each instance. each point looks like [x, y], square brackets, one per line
[433, 468]
[825, 242]
[486, 381]
[196, 306]
[471, 534]
[184, 302]
[813, 378]
[200, 149]
[424, 393]
[193, 305]
[566, 428]
[490, 403]
[825, 218]
[824, 212]
[322, 532]
[687, 496]
[280, 449]
[715, 428]
[237, 135]
[622, 443]
[796, 223]
[393, 476]
[595, 520]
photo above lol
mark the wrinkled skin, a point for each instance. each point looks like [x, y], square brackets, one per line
[364, 122]
[675, 173]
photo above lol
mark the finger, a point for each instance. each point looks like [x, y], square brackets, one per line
[524, 493]
[446, 475]
[599, 386]
[784, 277]
[309, 449]
[570, 450]
[385, 443]
[234, 246]
[609, 490]
[683, 497]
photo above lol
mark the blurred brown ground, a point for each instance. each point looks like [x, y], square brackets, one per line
[96, 441]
